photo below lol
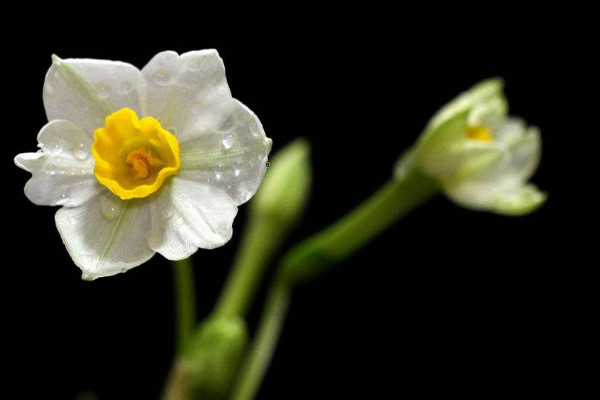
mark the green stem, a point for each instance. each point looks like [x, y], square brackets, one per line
[185, 302]
[261, 239]
[359, 227]
[260, 354]
[314, 255]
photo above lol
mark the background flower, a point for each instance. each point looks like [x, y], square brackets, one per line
[482, 158]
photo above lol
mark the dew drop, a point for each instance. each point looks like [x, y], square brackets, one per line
[228, 142]
[55, 150]
[51, 169]
[167, 212]
[229, 123]
[161, 77]
[109, 207]
[179, 221]
[102, 91]
[195, 64]
[218, 175]
[123, 270]
[268, 164]
[237, 171]
[63, 199]
[80, 152]
[126, 87]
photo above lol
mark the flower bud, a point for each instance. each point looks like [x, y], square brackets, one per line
[210, 363]
[286, 187]
[481, 157]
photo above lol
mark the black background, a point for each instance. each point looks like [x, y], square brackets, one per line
[449, 301]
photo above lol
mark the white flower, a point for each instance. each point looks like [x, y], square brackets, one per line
[482, 158]
[168, 182]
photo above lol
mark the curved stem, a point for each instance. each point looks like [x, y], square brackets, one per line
[185, 302]
[343, 238]
[313, 257]
[262, 237]
[260, 354]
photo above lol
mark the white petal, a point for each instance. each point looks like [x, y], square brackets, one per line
[188, 215]
[519, 202]
[106, 235]
[483, 92]
[232, 157]
[484, 184]
[526, 153]
[509, 131]
[63, 170]
[188, 92]
[86, 91]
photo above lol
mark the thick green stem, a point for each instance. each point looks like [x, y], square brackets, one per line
[185, 302]
[261, 239]
[314, 255]
[261, 352]
[359, 227]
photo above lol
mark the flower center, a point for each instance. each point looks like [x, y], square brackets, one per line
[480, 133]
[133, 156]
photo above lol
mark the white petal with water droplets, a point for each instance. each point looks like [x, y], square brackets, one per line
[85, 91]
[63, 170]
[106, 235]
[232, 156]
[188, 215]
[188, 92]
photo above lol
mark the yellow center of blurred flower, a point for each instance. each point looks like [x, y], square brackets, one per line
[133, 156]
[480, 133]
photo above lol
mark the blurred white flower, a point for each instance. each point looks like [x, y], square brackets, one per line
[482, 157]
[145, 161]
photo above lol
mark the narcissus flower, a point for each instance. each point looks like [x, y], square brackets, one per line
[482, 157]
[145, 161]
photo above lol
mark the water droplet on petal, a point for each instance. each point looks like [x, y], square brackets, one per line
[110, 207]
[63, 198]
[50, 169]
[123, 270]
[218, 175]
[228, 142]
[168, 212]
[126, 87]
[161, 77]
[179, 221]
[55, 149]
[268, 164]
[229, 123]
[102, 91]
[80, 151]
[237, 171]
[195, 64]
